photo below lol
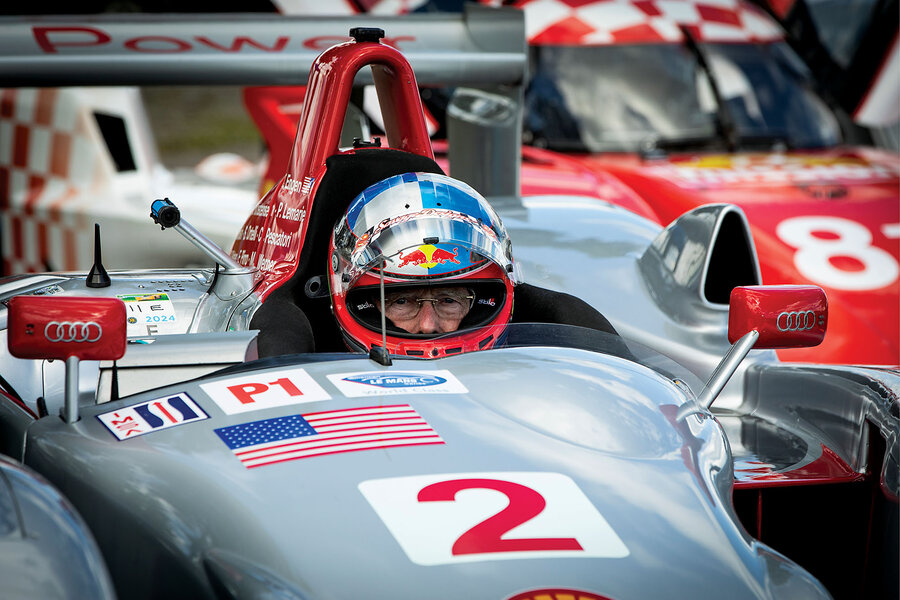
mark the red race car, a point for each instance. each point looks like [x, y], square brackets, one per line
[661, 107]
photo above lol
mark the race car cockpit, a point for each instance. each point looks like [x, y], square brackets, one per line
[438, 233]
[327, 194]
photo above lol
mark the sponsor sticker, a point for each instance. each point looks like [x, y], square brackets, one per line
[293, 437]
[258, 391]
[149, 314]
[557, 594]
[469, 517]
[155, 415]
[381, 383]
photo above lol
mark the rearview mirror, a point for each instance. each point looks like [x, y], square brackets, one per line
[63, 327]
[784, 316]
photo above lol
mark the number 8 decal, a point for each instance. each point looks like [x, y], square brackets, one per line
[468, 517]
[814, 254]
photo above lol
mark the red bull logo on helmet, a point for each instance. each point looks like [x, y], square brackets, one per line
[428, 256]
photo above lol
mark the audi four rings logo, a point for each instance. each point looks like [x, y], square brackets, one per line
[73, 331]
[803, 320]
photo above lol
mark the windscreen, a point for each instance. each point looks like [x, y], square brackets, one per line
[553, 335]
[622, 98]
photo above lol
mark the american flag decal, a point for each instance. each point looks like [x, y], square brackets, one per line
[293, 437]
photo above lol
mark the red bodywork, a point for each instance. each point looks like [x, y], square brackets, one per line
[829, 218]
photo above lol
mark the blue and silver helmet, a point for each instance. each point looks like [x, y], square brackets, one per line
[422, 230]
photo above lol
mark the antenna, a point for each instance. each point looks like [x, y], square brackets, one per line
[381, 355]
[97, 277]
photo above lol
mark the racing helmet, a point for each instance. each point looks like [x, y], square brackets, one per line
[421, 230]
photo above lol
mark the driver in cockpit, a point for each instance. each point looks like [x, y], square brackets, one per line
[445, 262]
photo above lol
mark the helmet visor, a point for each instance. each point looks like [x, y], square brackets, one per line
[428, 244]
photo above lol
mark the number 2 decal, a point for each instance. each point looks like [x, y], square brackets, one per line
[468, 517]
[487, 536]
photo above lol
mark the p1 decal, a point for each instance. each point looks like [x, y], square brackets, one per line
[380, 383]
[470, 517]
[294, 437]
[264, 390]
[154, 415]
[557, 594]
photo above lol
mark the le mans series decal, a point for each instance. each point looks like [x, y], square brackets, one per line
[257, 391]
[311, 434]
[468, 517]
[381, 383]
[155, 415]
[150, 314]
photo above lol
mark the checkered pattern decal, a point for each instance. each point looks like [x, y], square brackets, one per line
[47, 161]
[599, 22]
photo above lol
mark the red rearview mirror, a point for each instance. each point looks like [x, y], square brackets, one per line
[785, 316]
[63, 327]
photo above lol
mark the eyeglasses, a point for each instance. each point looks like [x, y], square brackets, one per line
[447, 305]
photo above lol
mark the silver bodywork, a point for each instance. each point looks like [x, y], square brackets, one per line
[306, 524]
[607, 491]
[180, 501]
[46, 550]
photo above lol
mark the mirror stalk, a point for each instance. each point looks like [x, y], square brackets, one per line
[720, 376]
[165, 214]
[70, 409]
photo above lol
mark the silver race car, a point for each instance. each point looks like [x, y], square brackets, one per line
[624, 431]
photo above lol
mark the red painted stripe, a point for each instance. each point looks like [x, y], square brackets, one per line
[71, 253]
[343, 452]
[648, 7]
[19, 403]
[7, 104]
[46, 102]
[714, 14]
[36, 185]
[20, 146]
[828, 468]
[18, 245]
[328, 412]
[307, 443]
[43, 243]
[759, 514]
[60, 151]
[54, 210]
[420, 422]
[5, 191]
[636, 34]
[320, 424]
